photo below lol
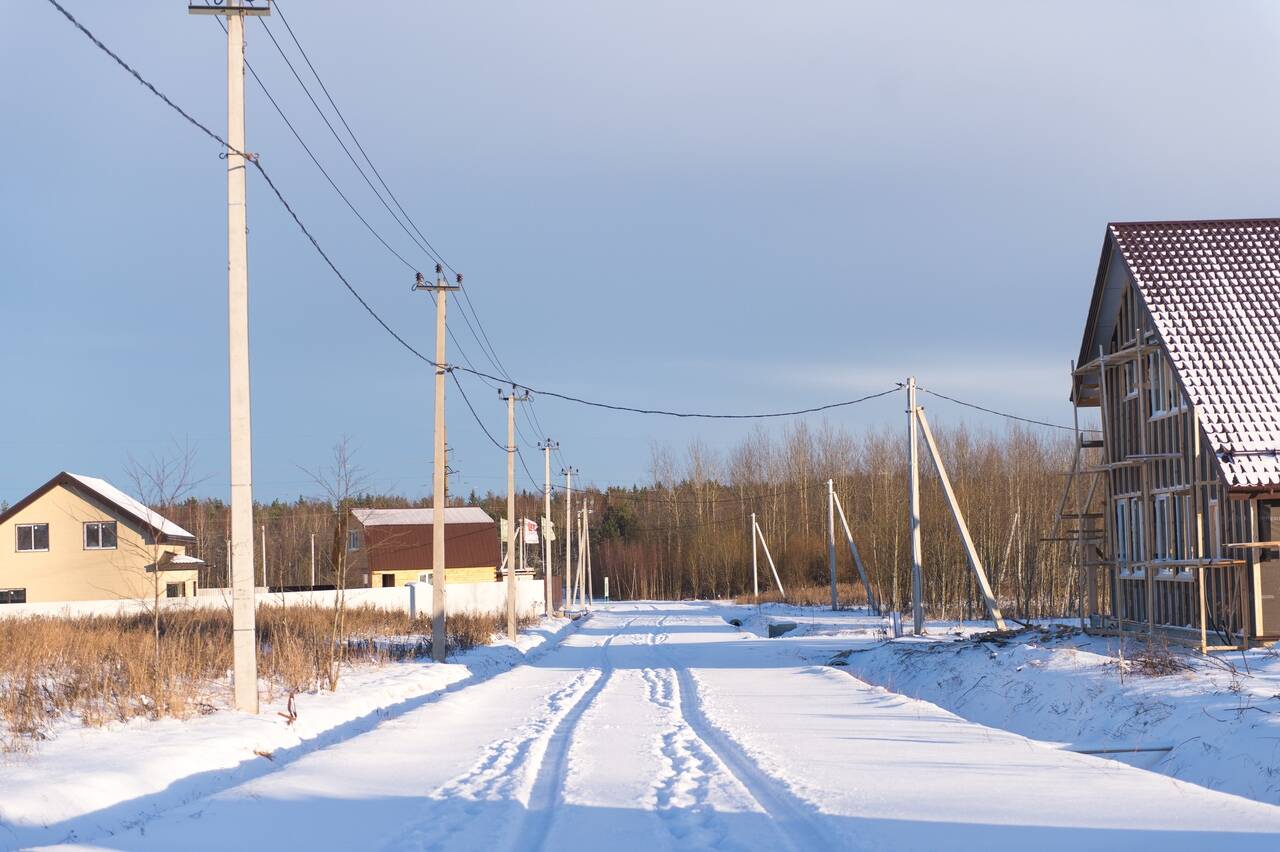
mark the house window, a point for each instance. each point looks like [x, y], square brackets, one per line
[100, 535]
[1177, 526]
[1137, 547]
[33, 537]
[175, 590]
[1130, 379]
[13, 596]
[1122, 531]
[353, 539]
[1160, 528]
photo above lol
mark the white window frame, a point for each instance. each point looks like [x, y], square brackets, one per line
[1122, 531]
[99, 526]
[354, 540]
[1137, 552]
[17, 538]
[1130, 372]
[1160, 528]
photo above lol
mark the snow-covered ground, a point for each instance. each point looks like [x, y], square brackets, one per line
[1215, 722]
[662, 726]
[92, 783]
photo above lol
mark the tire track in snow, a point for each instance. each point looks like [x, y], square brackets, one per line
[547, 792]
[802, 827]
[501, 771]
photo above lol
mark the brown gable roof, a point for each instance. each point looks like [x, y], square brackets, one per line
[1213, 291]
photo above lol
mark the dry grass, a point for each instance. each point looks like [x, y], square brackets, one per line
[100, 669]
[848, 594]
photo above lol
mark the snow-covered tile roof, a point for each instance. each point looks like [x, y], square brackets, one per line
[1213, 290]
[414, 517]
[114, 495]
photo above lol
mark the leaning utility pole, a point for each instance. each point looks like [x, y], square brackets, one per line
[917, 608]
[511, 399]
[439, 576]
[244, 635]
[547, 584]
[568, 473]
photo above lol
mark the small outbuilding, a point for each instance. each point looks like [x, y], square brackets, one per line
[395, 546]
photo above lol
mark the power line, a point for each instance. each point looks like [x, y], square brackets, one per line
[431, 249]
[337, 137]
[218, 19]
[252, 158]
[977, 407]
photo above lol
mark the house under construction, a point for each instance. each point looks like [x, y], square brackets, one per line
[1177, 511]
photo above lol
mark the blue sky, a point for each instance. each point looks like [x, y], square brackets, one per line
[721, 206]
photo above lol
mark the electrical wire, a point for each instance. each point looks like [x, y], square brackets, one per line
[255, 161]
[1002, 413]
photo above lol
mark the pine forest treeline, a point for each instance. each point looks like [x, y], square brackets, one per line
[686, 533]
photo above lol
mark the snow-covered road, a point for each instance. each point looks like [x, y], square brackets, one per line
[661, 726]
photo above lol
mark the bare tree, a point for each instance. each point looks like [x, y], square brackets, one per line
[340, 481]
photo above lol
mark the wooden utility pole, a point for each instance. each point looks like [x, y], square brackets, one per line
[568, 473]
[547, 584]
[755, 566]
[831, 540]
[439, 575]
[769, 557]
[917, 607]
[511, 400]
[243, 631]
[857, 557]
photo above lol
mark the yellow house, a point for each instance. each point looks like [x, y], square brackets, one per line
[79, 538]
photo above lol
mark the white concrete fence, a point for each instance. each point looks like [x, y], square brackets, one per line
[474, 598]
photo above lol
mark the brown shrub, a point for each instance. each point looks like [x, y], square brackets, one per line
[100, 669]
[847, 594]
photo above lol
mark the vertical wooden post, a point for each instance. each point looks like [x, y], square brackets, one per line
[755, 568]
[831, 541]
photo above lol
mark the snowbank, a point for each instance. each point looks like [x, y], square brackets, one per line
[1214, 722]
[91, 782]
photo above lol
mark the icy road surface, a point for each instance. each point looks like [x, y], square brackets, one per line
[659, 726]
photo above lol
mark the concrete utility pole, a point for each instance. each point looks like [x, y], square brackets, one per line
[831, 540]
[264, 557]
[586, 544]
[243, 631]
[568, 473]
[313, 562]
[917, 607]
[547, 584]
[439, 575]
[511, 399]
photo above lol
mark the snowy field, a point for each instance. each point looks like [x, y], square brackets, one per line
[662, 726]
